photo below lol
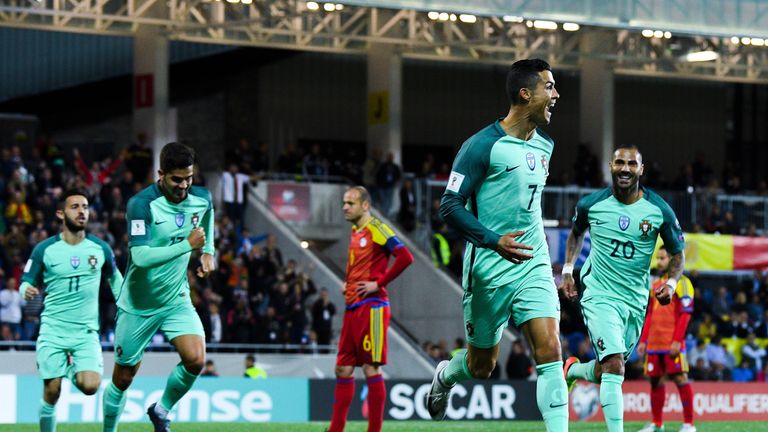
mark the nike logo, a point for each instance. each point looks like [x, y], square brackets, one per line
[512, 169]
[54, 265]
[607, 404]
[159, 222]
[558, 405]
[598, 222]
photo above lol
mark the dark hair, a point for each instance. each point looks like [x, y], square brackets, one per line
[68, 193]
[175, 156]
[629, 147]
[663, 247]
[250, 357]
[364, 195]
[524, 74]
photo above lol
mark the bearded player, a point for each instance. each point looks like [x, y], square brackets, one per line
[663, 340]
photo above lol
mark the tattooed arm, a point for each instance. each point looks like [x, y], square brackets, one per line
[676, 264]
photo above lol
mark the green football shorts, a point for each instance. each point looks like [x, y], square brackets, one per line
[614, 328]
[487, 309]
[52, 354]
[133, 333]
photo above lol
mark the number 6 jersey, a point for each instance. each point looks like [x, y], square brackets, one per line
[623, 240]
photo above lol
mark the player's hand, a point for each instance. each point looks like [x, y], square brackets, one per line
[674, 349]
[207, 265]
[568, 287]
[30, 293]
[641, 349]
[664, 294]
[364, 289]
[511, 250]
[196, 238]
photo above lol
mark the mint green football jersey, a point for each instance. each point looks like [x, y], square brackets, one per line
[70, 276]
[156, 222]
[623, 240]
[495, 188]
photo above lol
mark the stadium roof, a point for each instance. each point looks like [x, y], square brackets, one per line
[640, 37]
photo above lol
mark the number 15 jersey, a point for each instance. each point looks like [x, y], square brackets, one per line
[623, 240]
[158, 223]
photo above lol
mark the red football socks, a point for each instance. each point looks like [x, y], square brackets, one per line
[377, 397]
[342, 399]
[686, 397]
[658, 394]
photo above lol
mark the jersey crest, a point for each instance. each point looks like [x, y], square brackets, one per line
[624, 222]
[530, 159]
[92, 261]
[74, 261]
[545, 165]
[645, 228]
[180, 219]
[195, 220]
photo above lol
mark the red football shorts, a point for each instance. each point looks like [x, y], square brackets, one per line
[364, 336]
[658, 365]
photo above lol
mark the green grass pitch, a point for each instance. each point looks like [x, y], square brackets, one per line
[391, 426]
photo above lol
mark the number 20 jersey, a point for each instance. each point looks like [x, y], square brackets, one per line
[623, 240]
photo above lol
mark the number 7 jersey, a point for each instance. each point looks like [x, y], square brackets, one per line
[623, 240]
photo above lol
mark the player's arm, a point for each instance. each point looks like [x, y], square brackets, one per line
[32, 278]
[683, 311]
[468, 172]
[109, 269]
[143, 255]
[386, 238]
[672, 234]
[573, 246]
[207, 260]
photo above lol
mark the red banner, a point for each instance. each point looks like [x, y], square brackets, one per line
[144, 91]
[750, 253]
[289, 201]
[711, 401]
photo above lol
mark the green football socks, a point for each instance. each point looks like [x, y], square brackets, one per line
[114, 402]
[583, 371]
[612, 401]
[552, 396]
[47, 417]
[178, 384]
[457, 370]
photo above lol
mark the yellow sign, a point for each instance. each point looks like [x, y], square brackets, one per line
[705, 252]
[378, 107]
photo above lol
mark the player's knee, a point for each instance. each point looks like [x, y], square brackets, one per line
[344, 371]
[89, 388]
[482, 370]
[52, 391]
[548, 353]
[614, 365]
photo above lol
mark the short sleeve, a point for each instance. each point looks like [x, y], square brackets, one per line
[139, 219]
[670, 231]
[34, 268]
[384, 236]
[581, 216]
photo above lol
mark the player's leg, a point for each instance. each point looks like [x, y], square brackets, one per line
[377, 396]
[88, 364]
[610, 325]
[486, 314]
[182, 326]
[52, 365]
[535, 310]
[374, 355]
[654, 368]
[686, 397]
[346, 359]
[543, 335]
[132, 335]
